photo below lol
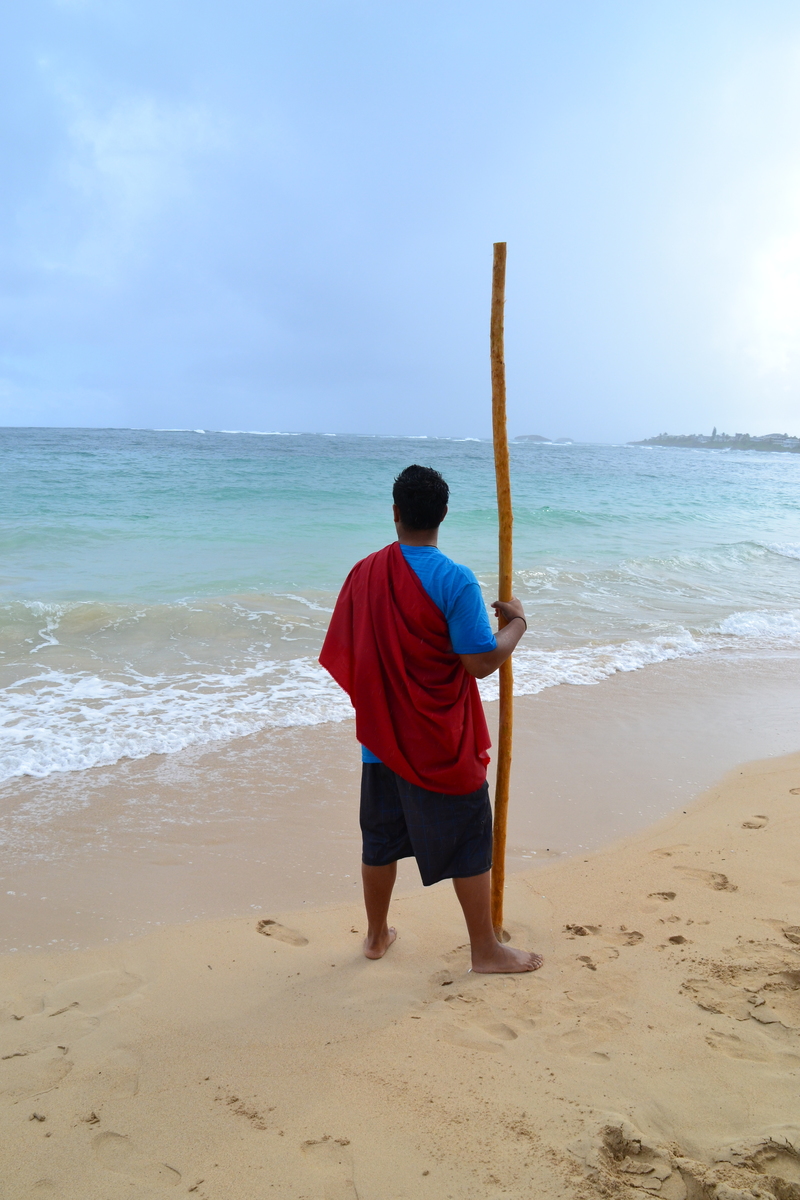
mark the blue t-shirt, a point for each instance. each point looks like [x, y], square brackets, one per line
[456, 592]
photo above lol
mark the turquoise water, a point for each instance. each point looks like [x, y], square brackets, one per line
[159, 588]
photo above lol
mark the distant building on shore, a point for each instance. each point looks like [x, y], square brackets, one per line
[721, 441]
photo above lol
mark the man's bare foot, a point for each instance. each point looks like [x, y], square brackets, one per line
[376, 947]
[500, 959]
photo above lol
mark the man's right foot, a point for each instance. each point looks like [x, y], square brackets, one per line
[500, 960]
[376, 947]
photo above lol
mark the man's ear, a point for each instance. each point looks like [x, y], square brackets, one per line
[396, 514]
[445, 512]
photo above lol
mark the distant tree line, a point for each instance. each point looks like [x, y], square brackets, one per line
[718, 441]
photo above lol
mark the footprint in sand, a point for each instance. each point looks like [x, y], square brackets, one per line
[620, 937]
[118, 1075]
[475, 1026]
[39, 1033]
[459, 960]
[281, 933]
[30, 1073]
[90, 994]
[626, 937]
[493, 1037]
[332, 1163]
[458, 955]
[779, 1161]
[589, 1039]
[466, 1019]
[669, 851]
[712, 879]
[736, 1047]
[34, 1045]
[117, 1153]
[661, 895]
[759, 821]
[599, 955]
[21, 1005]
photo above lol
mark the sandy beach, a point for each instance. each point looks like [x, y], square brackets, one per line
[657, 1052]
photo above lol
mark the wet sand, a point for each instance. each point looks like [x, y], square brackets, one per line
[271, 821]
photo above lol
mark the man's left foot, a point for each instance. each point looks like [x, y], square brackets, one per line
[377, 947]
[505, 960]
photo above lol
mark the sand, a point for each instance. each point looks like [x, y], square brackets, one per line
[657, 1052]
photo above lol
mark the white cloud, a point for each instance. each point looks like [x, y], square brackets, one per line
[125, 167]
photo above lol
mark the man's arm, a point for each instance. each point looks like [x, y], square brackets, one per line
[481, 665]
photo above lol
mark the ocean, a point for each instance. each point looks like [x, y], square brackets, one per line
[167, 588]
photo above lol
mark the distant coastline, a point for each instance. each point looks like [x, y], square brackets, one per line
[780, 442]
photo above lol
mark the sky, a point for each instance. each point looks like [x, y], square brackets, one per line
[280, 216]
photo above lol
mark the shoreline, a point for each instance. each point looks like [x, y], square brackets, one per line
[270, 821]
[659, 1046]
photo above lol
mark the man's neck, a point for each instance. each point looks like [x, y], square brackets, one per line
[417, 537]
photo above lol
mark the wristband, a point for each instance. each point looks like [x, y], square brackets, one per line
[517, 617]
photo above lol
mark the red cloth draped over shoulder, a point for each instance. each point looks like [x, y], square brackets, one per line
[417, 709]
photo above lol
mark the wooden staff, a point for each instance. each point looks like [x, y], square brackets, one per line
[505, 521]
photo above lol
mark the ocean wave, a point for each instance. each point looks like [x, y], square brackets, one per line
[781, 627]
[713, 575]
[536, 670]
[62, 721]
[785, 549]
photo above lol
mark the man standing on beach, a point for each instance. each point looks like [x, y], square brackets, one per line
[408, 638]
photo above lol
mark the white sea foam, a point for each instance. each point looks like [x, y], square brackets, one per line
[769, 626]
[60, 720]
[786, 549]
[307, 603]
[535, 670]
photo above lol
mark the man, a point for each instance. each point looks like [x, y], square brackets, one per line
[408, 638]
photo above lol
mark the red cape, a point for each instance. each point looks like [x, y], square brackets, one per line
[417, 709]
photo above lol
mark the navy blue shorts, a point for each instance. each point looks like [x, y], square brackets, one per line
[450, 836]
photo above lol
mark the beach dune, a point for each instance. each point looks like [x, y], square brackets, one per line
[657, 1052]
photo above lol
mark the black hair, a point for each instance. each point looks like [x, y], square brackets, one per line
[421, 495]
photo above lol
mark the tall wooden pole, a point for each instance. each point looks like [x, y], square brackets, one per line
[505, 520]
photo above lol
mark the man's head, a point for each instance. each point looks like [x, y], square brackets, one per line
[421, 497]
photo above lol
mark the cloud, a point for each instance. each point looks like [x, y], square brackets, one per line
[125, 168]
